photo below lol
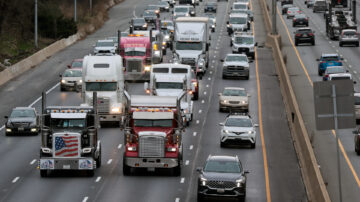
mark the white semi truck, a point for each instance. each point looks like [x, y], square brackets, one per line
[173, 80]
[104, 75]
[191, 42]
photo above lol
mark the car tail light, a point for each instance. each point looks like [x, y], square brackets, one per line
[311, 34]
[326, 76]
[307, 19]
[289, 12]
[322, 62]
[294, 19]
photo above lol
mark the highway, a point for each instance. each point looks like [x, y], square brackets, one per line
[303, 70]
[274, 171]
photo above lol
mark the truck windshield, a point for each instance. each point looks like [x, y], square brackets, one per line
[135, 51]
[153, 123]
[222, 166]
[237, 20]
[169, 85]
[104, 44]
[244, 40]
[181, 10]
[22, 113]
[67, 123]
[100, 86]
[188, 45]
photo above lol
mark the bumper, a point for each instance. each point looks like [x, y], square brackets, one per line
[243, 50]
[237, 107]
[304, 40]
[69, 86]
[151, 162]
[349, 41]
[239, 73]
[237, 139]
[67, 164]
[205, 191]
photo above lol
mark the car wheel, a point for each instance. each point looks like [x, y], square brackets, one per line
[241, 199]
[296, 43]
[357, 44]
[223, 76]
[293, 24]
[319, 72]
[247, 77]
[200, 198]
[222, 144]
[340, 44]
[44, 173]
[90, 173]
[313, 43]
[357, 152]
[62, 89]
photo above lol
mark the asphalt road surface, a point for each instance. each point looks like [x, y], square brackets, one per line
[274, 171]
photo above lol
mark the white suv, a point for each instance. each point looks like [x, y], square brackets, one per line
[243, 42]
[238, 129]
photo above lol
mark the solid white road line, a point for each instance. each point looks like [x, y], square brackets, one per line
[15, 179]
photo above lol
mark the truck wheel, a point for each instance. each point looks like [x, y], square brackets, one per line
[340, 44]
[126, 168]
[164, 52]
[44, 173]
[253, 145]
[90, 173]
[98, 160]
[176, 171]
[187, 123]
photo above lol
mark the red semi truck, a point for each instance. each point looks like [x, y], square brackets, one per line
[153, 134]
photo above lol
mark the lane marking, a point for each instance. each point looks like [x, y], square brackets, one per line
[194, 134]
[197, 121]
[209, 78]
[200, 111]
[32, 162]
[204, 92]
[187, 162]
[311, 83]
[191, 147]
[98, 179]
[182, 180]
[15, 179]
[203, 101]
[355, 72]
[177, 200]
[266, 170]
[119, 146]
[207, 85]
[85, 199]
[109, 161]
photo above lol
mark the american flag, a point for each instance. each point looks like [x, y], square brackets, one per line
[66, 146]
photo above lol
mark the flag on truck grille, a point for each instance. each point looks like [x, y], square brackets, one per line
[66, 146]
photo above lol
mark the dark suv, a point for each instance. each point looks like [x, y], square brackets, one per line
[138, 24]
[22, 121]
[210, 7]
[304, 35]
[222, 176]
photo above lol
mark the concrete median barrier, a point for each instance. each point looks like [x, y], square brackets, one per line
[313, 180]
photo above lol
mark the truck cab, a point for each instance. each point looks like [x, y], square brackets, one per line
[69, 140]
[153, 136]
[238, 22]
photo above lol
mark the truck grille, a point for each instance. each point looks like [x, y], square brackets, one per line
[66, 145]
[134, 66]
[103, 105]
[234, 68]
[221, 184]
[188, 61]
[20, 124]
[151, 146]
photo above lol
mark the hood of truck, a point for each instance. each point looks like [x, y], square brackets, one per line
[168, 131]
[189, 54]
[169, 92]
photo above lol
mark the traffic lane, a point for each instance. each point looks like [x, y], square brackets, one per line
[323, 142]
[29, 85]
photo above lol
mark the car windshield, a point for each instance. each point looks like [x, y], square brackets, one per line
[238, 20]
[349, 33]
[303, 31]
[243, 1]
[104, 43]
[234, 92]
[188, 45]
[244, 40]
[357, 100]
[181, 10]
[76, 64]
[169, 85]
[152, 7]
[139, 21]
[153, 123]
[334, 70]
[293, 9]
[235, 58]
[238, 122]
[163, 3]
[100, 86]
[240, 6]
[16, 113]
[67, 123]
[211, 4]
[222, 166]
[300, 16]
[330, 58]
[72, 73]
[167, 24]
[320, 3]
[149, 14]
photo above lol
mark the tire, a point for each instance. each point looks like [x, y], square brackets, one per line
[241, 199]
[177, 170]
[293, 24]
[253, 145]
[98, 160]
[357, 44]
[62, 89]
[222, 144]
[164, 52]
[296, 43]
[313, 43]
[223, 77]
[357, 152]
[200, 198]
[90, 173]
[196, 96]
[340, 44]
[126, 168]
[44, 173]
[247, 77]
[319, 73]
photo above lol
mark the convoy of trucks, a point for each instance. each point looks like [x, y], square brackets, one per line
[338, 19]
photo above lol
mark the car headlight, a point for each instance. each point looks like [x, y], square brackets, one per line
[171, 149]
[33, 130]
[131, 148]
[80, 81]
[203, 181]
[226, 131]
[187, 15]
[201, 63]
[251, 132]
[157, 11]
[243, 102]
[115, 109]
[213, 26]
[8, 130]
[63, 81]
[147, 68]
[224, 101]
[229, 25]
[167, 37]
[164, 42]
[239, 182]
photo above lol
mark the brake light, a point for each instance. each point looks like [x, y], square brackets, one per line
[311, 34]
[289, 12]
[327, 76]
[294, 19]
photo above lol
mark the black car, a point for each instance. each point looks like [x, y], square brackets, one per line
[210, 7]
[138, 24]
[22, 121]
[300, 19]
[283, 2]
[150, 16]
[357, 141]
[222, 176]
[304, 35]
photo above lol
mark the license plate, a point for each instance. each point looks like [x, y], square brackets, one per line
[21, 129]
[305, 35]
[220, 190]
[66, 166]
[301, 22]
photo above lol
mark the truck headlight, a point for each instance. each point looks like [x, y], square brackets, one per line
[8, 130]
[243, 102]
[167, 37]
[145, 25]
[164, 42]
[131, 148]
[203, 181]
[33, 130]
[239, 182]
[147, 68]
[187, 15]
[201, 63]
[63, 81]
[157, 53]
[80, 81]
[86, 150]
[115, 109]
[213, 26]
[171, 149]
[229, 25]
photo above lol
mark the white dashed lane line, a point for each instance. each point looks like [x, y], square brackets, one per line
[85, 199]
[207, 85]
[205, 93]
[177, 200]
[182, 180]
[119, 146]
[32, 162]
[202, 101]
[197, 121]
[187, 162]
[209, 78]
[194, 134]
[109, 161]
[191, 147]
[15, 179]
[98, 179]
[355, 72]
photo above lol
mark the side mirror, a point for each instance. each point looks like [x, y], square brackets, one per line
[256, 125]
[6, 117]
[354, 82]
[199, 169]
[246, 172]
[221, 124]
